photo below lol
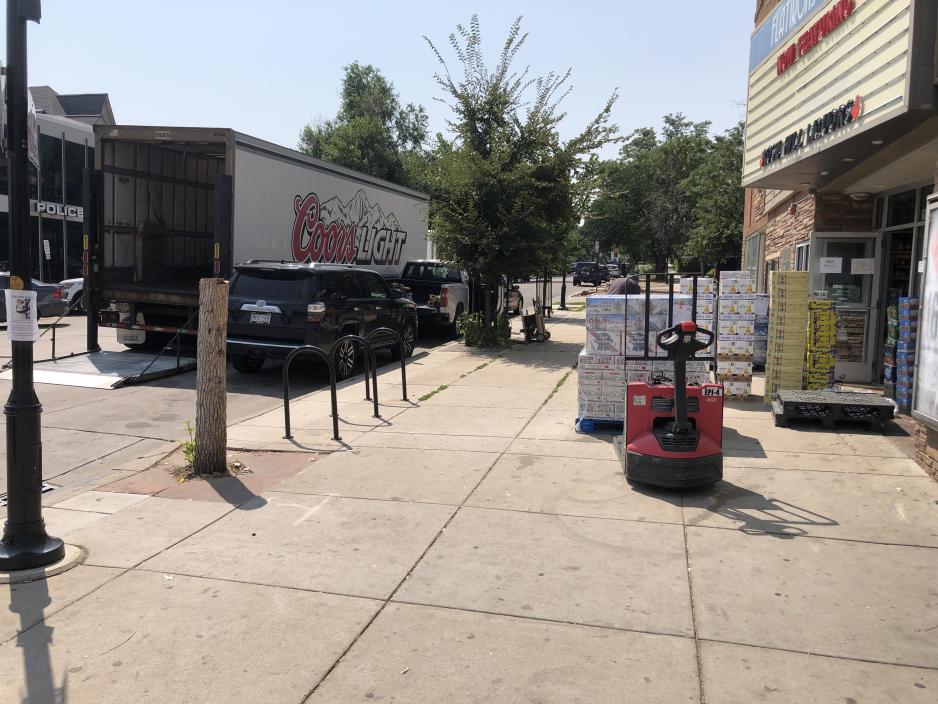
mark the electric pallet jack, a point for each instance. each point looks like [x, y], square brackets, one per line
[674, 434]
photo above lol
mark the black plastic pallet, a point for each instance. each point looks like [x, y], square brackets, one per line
[832, 407]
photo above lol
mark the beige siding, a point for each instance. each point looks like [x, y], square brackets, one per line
[867, 55]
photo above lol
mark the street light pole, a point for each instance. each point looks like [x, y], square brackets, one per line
[25, 543]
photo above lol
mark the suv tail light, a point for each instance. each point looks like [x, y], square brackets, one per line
[443, 297]
[57, 293]
[315, 312]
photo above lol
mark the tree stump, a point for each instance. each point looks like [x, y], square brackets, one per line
[210, 399]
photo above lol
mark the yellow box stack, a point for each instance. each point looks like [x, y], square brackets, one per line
[822, 342]
[788, 323]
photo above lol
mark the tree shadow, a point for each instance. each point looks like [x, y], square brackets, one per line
[236, 493]
[757, 513]
[29, 600]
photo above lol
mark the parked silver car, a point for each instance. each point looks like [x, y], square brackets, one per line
[49, 298]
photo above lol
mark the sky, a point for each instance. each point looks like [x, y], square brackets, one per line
[268, 67]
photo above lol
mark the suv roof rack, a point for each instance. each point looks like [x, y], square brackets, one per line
[285, 264]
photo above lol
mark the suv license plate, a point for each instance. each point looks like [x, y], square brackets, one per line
[260, 318]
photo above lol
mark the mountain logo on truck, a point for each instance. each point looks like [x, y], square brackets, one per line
[356, 232]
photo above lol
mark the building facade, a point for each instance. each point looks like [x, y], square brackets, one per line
[66, 148]
[841, 157]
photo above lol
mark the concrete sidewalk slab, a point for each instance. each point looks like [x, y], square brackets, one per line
[901, 510]
[344, 546]
[120, 645]
[101, 501]
[457, 420]
[561, 485]
[430, 441]
[603, 449]
[737, 674]
[470, 397]
[559, 425]
[358, 416]
[829, 597]
[514, 376]
[422, 654]
[25, 604]
[820, 462]
[129, 537]
[876, 445]
[435, 476]
[259, 437]
[60, 521]
[601, 572]
[744, 434]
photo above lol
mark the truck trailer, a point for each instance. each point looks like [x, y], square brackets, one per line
[168, 206]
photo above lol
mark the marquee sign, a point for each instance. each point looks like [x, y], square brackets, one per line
[828, 122]
[828, 22]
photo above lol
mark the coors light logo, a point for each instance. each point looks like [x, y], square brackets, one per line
[355, 232]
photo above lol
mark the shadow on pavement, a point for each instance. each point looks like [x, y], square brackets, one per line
[29, 600]
[758, 514]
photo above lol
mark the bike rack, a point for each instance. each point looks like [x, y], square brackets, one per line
[369, 361]
[286, 389]
[400, 342]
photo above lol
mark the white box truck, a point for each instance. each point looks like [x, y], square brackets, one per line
[167, 206]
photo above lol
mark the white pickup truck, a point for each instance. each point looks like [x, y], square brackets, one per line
[440, 292]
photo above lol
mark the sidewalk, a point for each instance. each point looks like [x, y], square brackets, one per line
[469, 546]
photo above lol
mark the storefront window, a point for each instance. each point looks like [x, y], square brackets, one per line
[901, 209]
[923, 201]
[50, 168]
[73, 232]
[52, 250]
[74, 172]
[802, 252]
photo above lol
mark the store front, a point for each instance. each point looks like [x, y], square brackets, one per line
[840, 157]
[66, 147]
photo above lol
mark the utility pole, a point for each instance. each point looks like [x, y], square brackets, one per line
[25, 543]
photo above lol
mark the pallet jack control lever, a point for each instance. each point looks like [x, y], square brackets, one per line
[681, 342]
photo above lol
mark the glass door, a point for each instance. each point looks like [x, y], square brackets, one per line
[846, 269]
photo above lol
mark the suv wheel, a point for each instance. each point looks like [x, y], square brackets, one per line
[576, 282]
[244, 364]
[409, 338]
[345, 357]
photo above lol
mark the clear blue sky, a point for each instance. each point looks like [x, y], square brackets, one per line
[268, 67]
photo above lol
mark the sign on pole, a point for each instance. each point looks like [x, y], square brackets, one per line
[32, 132]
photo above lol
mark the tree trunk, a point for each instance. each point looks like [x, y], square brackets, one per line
[210, 402]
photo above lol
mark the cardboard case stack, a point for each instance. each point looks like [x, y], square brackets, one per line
[822, 340]
[761, 341]
[906, 334]
[788, 322]
[601, 364]
[736, 333]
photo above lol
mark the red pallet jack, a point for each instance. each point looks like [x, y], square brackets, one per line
[674, 434]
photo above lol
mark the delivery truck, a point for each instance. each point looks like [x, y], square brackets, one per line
[168, 206]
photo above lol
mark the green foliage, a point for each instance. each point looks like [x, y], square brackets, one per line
[188, 446]
[645, 269]
[508, 191]
[671, 195]
[476, 333]
[372, 133]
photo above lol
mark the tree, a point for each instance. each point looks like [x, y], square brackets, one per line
[508, 191]
[718, 200]
[371, 133]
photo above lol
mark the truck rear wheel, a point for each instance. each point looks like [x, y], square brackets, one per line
[409, 338]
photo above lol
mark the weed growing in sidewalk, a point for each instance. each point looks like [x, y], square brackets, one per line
[438, 389]
[557, 386]
[188, 446]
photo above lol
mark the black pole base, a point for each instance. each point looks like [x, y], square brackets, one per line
[25, 552]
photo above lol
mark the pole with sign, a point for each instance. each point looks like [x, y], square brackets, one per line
[25, 543]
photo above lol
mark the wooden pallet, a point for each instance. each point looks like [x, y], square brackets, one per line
[832, 407]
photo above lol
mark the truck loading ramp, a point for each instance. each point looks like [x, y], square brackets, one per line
[106, 370]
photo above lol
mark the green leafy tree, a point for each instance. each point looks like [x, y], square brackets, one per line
[718, 199]
[372, 132]
[509, 192]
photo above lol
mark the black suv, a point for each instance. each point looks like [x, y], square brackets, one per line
[274, 307]
[589, 272]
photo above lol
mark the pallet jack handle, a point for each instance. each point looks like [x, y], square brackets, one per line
[681, 343]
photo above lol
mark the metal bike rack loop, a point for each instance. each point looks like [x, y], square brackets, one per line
[286, 388]
[369, 362]
[400, 342]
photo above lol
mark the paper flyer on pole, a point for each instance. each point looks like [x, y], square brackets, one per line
[22, 317]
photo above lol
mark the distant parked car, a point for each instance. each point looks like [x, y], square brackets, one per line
[589, 273]
[48, 298]
[72, 293]
[614, 271]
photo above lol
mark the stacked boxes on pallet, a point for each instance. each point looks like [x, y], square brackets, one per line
[601, 364]
[761, 341]
[647, 369]
[822, 343]
[706, 304]
[905, 351]
[736, 333]
[788, 322]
